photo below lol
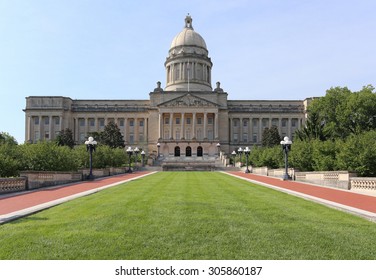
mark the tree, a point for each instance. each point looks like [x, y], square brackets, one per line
[313, 129]
[342, 112]
[65, 138]
[270, 137]
[111, 136]
[6, 138]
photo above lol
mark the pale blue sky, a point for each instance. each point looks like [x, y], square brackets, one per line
[116, 49]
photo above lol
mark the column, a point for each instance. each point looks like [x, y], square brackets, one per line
[216, 126]
[125, 130]
[250, 130]
[280, 126]
[194, 126]
[50, 127]
[28, 130]
[86, 126]
[61, 123]
[205, 126]
[171, 115]
[241, 130]
[136, 130]
[182, 132]
[41, 130]
[146, 130]
[259, 138]
[230, 130]
[160, 116]
[289, 128]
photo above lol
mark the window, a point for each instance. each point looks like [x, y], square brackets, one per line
[92, 122]
[255, 124]
[177, 134]
[141, 122]
[245, 123]
[284, 122]
[131, 123]
[36, 120]
[245, 137]
[81, 122]
[210, 120]
[121, 122]
[46, 120]
[294, 122]
[254, 138]
[36, 136]
[235, 137]
[235, 123]
[57, 121]
[101, 122]
[167, 120]
[177, 121]
[131, 139]
[82, 137]
[188, 120]
[275, 122]
[199, 120]
[141, 138]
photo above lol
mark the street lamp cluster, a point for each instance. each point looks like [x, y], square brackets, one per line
[286, 147]
[90, 147]
[240, 151]
[130, 152]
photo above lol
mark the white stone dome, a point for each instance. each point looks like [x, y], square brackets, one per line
[188, 37]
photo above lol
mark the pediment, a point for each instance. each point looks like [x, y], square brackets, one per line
[188, 100]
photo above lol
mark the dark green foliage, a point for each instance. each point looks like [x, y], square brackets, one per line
[111, 136]
[65, 138]
[6, 138]
[270, 137]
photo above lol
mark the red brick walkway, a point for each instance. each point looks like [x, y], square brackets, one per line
[19, 202]
[343, 197]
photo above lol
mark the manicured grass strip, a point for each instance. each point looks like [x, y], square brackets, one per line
[189, 215]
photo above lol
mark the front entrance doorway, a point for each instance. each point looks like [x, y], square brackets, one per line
[199, 151]
[188, 151]
[177, 151]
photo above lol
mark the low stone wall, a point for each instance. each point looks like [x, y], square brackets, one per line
[36, 179]
[8, 185]
[363, 183]
[337, 179]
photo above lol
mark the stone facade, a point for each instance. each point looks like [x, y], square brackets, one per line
[187, 118]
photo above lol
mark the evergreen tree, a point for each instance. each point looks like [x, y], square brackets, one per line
[65, 138]
[111, 136]
[270, 137]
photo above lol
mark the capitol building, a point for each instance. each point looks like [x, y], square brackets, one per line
[188, 117]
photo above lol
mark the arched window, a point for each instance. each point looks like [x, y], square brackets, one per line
[177, 151]
[199, 151]
[188, 151]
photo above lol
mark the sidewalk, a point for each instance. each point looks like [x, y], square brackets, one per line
[16, 205]
[359, 204]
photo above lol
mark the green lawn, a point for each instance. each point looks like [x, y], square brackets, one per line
[189, 215]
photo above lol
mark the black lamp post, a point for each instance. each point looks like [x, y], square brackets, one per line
[129, 152]
[240, 151]
[158, 146]
[233, 157]
[143, 158]
[286, 147]
[247, 151]
[136, 151]
[90, 147]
